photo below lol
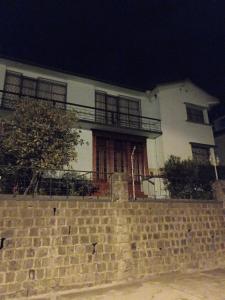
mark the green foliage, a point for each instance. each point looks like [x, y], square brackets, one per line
[39, 136]
[14, 179]
[188, 179]
[70, 184]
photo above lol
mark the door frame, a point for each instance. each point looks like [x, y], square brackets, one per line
[111, 136]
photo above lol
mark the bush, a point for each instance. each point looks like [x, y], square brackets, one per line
[188, 179]
[14, 179]
[71, 184]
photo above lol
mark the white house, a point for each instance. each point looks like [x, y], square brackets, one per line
[219, 132]
[171, 119]
[185, 125]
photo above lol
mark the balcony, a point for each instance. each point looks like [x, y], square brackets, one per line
[95, 118]
[118, 122]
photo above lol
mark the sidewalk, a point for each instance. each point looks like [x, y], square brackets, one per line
[208, 285]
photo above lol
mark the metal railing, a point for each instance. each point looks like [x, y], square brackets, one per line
[50, 182]
[159, 187]
[89, 114]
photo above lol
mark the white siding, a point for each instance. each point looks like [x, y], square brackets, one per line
[167, 102]
[177, 132]
[82, 90]
[84, 153]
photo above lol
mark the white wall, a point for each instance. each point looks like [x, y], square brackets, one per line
[81, 90]
[155, 154]
[84, 153]
[165, 102]
[177, 131]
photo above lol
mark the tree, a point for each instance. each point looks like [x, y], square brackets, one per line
[38, 136]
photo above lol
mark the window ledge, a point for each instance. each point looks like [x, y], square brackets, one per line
[199, 123]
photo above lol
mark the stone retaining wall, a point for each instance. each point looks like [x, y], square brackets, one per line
[62, 244]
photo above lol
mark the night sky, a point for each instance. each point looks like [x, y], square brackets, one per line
[136, 43]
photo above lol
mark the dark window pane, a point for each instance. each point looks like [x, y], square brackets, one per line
[13, 86]
[200, 154]
[100, 104]
[26, 86]
[195, 115]
[120, 111]
[111, 106]
[53, 91]
[101, 158]
[119, 156]
[29, 87]
[124, 112]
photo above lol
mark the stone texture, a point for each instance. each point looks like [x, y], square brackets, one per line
[219, 191]
[73, 244]
[119, 187]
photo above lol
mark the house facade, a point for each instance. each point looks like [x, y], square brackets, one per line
[187, 132]
[218, 120]
[116, 121]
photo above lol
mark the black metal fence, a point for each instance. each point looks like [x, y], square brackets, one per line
[88, 114]
[18, 181]
[159, 187]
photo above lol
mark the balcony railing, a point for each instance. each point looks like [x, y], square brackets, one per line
[87, 114]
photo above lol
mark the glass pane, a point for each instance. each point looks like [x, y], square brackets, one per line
[58, 89]
[44, 86]
[29, 87]
[12, 85]
[100, 114]
[195, 115]
[118, 156]
[134, 106]
[124, 110]
[111, 103]
[101, 158]
[200, 154]
[123, 105]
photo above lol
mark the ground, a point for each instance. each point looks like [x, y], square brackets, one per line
[207, 285]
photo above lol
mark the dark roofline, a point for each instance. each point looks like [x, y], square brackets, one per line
[33, 64]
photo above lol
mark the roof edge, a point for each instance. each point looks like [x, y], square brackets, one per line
[62, 71]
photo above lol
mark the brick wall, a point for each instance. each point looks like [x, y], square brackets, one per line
[61, 244]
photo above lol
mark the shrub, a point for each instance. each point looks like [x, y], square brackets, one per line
[71, 184]
[188, 179]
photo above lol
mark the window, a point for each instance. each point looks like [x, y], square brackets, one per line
[121, 111]
[18, 85]
[195, 114]
[200, 153]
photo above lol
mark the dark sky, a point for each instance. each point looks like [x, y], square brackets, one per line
[138, 43]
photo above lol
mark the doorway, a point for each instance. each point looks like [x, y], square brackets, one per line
[112, 153]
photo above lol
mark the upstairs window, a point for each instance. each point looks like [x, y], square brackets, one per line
[17, 85]
[113, 110]
[201, 153]
[195, 114]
